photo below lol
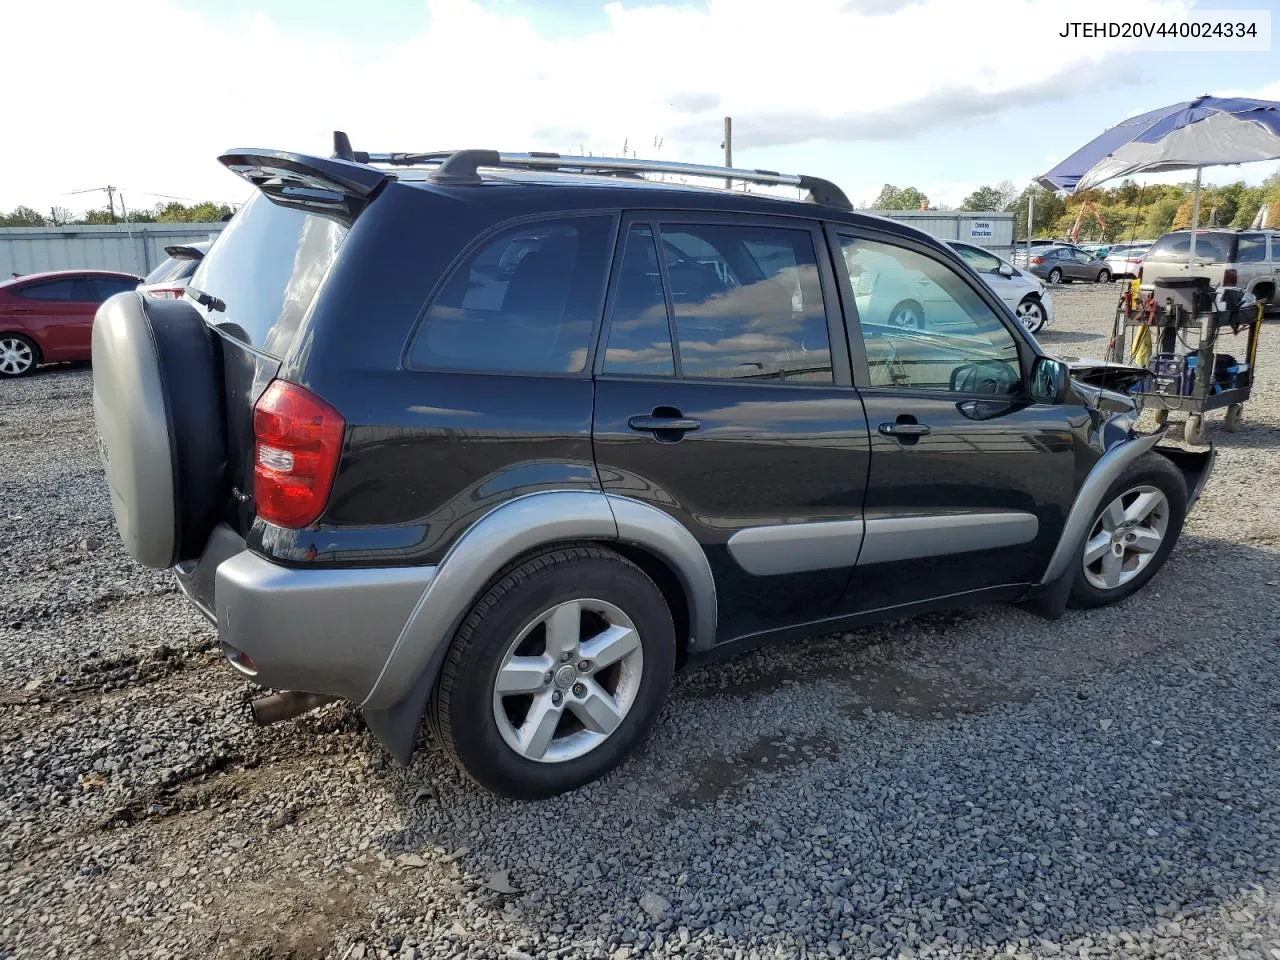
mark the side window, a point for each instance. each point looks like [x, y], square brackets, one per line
[747, 302]
[924, 327]
[61, 291]
[106, 287]
[980, 260]
[639, 331]
[1252, 249]
[524, 302]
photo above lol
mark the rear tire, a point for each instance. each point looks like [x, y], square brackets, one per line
[1104, 276]
[489, 730]
[1132, 533]
[19, 355]
[1055, 275]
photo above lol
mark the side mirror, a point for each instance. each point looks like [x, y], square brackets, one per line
[1005, 270]
[1050, 381]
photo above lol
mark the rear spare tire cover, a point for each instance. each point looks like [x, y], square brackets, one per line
[157, 406]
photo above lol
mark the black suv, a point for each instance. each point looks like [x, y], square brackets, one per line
[503, 439]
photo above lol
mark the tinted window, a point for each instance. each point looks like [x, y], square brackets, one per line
[524, 302]
[266, 266]
[924, 327]
[172, 269]
[1211, 246]
[980, 260]
[748, 303]
[56, 290]
[1252, 249]
[639, 331]
[106, 287]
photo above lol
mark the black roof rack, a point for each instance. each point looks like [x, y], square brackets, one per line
[463, 166]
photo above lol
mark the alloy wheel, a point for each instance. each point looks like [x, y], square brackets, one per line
[1125, 537]
[16, 357]
[568, 680]
[1030, 314]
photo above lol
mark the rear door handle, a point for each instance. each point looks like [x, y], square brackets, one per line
[647, 424]
[904, 429]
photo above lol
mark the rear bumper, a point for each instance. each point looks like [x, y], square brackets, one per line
[314, 630]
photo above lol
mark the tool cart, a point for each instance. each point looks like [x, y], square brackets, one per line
[1199, 344]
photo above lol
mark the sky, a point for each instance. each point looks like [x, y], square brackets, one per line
[942, 95]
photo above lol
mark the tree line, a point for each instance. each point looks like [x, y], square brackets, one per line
[1128, 211]
[171, 212]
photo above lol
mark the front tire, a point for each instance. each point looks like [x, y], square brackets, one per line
[1132, 533]
[1031, 315]
[907, 315]
[556, 674]
[18, 355]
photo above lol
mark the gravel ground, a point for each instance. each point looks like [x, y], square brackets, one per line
[959, 785]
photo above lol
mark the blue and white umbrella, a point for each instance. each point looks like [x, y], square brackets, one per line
[1205, 132]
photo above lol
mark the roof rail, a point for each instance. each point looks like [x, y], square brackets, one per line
[463, 166]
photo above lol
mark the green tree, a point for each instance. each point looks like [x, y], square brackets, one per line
[984, 199]
[21, 217]
[1049, 207]
[1160, 215]
[97, 217]
[893, 198]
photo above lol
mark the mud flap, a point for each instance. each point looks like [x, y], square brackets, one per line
[1195, 467]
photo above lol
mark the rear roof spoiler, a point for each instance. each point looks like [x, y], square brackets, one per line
[333, 186]
[181, 251]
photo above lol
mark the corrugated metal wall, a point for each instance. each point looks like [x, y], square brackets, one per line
[136, 248]
[139, 247]
[994, 231]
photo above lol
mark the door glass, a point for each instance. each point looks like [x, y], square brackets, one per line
[63, 291]
[639, 333]
[924, 327]
[748, 303]
[107, 287]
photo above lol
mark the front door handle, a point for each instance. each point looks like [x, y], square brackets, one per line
[904, 429]
[649, 424]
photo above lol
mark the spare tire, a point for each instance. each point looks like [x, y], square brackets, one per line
[157, 403]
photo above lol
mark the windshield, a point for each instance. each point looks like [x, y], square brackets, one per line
[265, 269]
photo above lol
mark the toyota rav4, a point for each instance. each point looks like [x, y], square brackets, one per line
[502, 440]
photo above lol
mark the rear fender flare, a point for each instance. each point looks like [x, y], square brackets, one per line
[518, 527]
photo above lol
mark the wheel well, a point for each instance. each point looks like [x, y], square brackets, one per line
[1265, 290]
[654, 567]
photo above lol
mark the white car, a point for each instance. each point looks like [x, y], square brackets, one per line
[1025, 293]
[1125, 259]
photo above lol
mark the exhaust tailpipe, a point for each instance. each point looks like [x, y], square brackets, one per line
[285, 705]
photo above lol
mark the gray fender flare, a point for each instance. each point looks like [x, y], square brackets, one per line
[514, 528]
[1089, 498]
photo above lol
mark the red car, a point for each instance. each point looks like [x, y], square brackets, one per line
[48, 317]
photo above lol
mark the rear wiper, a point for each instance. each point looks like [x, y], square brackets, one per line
[208, 301]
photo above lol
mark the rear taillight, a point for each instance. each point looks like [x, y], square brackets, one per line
[297, 443]
[1037, 259]
[166, 294]
[1230, 277]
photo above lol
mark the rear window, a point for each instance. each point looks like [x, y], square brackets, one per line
[1213, 246]
[266, 267]
[171, 270]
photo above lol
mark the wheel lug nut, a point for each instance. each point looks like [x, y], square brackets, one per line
[566, 657]
[579, 690]
[548, 677]
[584, 666]
[557, 697]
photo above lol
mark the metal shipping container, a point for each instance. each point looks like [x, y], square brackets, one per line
[992, 231]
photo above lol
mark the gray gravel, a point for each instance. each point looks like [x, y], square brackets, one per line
[960, 785]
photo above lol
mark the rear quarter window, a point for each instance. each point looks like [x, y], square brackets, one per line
[525, 300]
[266, 267]
[1212, 246]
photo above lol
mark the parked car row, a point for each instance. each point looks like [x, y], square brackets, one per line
[48, 317]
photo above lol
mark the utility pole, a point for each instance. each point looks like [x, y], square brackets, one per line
[728, 149]
[111, 204]
[53, 215]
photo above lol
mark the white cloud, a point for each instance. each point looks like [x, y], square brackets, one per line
[144, 95]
